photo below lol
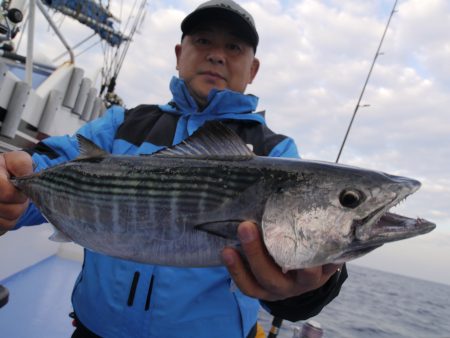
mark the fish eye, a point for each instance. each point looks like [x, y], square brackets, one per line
[280, 190]
[350, 198]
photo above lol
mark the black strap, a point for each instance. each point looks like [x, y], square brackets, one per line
[4, 296]
[81, 331]
[253, 331]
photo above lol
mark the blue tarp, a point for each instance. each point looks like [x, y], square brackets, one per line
[91, 14]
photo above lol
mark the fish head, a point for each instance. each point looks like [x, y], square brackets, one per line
[333, 213]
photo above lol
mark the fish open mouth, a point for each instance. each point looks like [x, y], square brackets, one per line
[400, 224]
[371, 218]
[382, 226]
[389, 227]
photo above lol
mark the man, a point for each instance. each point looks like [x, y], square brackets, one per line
[117, 298]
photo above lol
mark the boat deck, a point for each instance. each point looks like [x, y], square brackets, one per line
[39, 300]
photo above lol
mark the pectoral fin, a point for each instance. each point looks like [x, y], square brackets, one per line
[225, 229]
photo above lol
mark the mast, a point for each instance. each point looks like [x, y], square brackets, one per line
[30, 44]
[115, 41]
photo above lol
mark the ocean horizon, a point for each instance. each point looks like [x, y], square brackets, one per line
[379, 304]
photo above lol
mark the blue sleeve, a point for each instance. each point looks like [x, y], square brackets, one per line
[101, 131]
[285, 148]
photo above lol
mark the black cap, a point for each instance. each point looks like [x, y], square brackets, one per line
[227, 10]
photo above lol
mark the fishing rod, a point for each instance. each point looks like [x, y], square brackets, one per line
[358, 104]
[277, 322]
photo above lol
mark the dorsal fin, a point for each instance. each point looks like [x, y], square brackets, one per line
[89, 149]
[213, 140]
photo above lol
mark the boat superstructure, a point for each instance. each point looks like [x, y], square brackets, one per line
[40, 99]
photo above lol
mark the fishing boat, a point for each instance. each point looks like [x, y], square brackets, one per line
[41, 97]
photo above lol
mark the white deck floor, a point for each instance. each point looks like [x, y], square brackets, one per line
[39, 300]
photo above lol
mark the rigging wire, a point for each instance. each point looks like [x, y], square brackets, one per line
[117, 58]
[130, 20]
[76, 46]
[89, 47]
[136, 24]
[358, 104]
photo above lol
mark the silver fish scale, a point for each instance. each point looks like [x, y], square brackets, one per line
[103, 193]
[175, 208]
[80, 179]
[102, 205]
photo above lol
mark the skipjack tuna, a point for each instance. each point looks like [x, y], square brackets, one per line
[181, 206]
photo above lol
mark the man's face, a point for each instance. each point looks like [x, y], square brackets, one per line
[213, 56]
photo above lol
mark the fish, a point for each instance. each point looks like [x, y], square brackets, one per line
[182, 205]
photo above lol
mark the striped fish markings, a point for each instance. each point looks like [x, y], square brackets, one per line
[181, 205]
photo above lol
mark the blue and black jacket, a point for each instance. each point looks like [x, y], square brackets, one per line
[118, 298]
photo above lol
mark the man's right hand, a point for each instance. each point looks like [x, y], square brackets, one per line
[13, 203]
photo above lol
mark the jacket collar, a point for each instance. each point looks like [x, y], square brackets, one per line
[220, 102]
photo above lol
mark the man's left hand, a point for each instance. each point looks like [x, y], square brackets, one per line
[260, 277]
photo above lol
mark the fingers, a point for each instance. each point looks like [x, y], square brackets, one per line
[8, 193]
[12, 202]
[10, 212]
[244, 279]
[18, 163]
[312, 278]
[265, 270]
[331, 269]
[260, 277]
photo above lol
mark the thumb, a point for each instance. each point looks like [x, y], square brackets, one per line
[18, 163]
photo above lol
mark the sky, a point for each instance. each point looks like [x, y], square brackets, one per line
[315, 56]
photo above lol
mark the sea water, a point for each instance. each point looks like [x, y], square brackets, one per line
[378, 304]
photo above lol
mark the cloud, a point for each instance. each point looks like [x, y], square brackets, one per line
[422, 257]
[315, 56]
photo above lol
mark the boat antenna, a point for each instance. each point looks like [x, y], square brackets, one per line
[358, 104]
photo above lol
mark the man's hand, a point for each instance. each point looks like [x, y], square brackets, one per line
[13, 203]
[262, 278]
